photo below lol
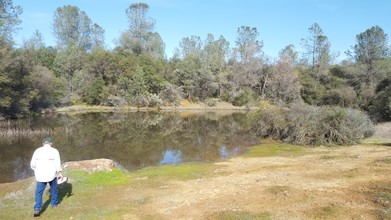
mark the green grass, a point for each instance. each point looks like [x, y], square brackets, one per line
[181, 171]
[77, 197]
[162, 175]
[273, 148]
[99, 179]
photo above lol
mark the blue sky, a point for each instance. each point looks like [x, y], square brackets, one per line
[279, 22]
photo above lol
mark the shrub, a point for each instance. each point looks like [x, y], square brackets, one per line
[211, 102]
[154, 100]
[92, 92]
[243, 98]
[147, 100]
[115, 101]
[311, 125]
[380, 106]
[140, 101]
[344, 97]
[269, 121]
[170, 94]
[327, 126]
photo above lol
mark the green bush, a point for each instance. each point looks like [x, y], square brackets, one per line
[93, 91]
[269, 121]
[380, 106]
[243, 98]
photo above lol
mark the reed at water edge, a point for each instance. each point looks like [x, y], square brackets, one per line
[15, 129]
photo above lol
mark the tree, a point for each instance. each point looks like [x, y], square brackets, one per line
[154, 45]
[190, 47]
[37, 51]
[139, 23]
[248, 47]
[11, 82]
[248, 63]
[380, 106]
[141, 37]
[67, 62]
[199, 66]
[371, 45]
[289, 52]
[73, 27]
[283, 82]
[36, 41]
[42, 88]
[9, 19]
[6, 78]
[317, 50]
[215, 53]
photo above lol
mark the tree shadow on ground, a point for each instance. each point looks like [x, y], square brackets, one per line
[64, 190]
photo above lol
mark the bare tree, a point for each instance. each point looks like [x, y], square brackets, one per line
[317, 50]
[283, 85]
[248, 61]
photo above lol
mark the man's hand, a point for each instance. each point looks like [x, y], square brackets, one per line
[59, 175]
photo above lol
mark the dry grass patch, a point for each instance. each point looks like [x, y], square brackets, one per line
[242, 215]
[326, 212]
[277, 190]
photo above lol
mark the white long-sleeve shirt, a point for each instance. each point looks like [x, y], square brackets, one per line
[46, 163]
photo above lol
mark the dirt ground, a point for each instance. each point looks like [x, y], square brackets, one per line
[324, 183]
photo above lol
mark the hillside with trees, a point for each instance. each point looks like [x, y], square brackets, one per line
[80, 70]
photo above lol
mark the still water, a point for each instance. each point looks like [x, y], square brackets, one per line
[133, 140]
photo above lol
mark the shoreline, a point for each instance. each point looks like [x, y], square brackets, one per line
[184, 105]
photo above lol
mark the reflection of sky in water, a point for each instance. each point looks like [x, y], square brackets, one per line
[225, 152]
[171, 157]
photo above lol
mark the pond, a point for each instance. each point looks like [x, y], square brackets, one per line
[133, 140]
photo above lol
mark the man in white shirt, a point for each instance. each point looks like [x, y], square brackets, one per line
[46, 164]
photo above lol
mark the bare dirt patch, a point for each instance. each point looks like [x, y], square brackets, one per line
[327, 183]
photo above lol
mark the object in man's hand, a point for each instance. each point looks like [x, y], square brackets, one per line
[62, 180]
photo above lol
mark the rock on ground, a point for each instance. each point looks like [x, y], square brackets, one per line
[91, 166]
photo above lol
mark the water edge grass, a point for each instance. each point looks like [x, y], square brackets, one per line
[269, 148]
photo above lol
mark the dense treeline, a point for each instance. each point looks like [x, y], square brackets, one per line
[79, 69]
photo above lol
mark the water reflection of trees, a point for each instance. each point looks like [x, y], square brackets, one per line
[141, 139]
